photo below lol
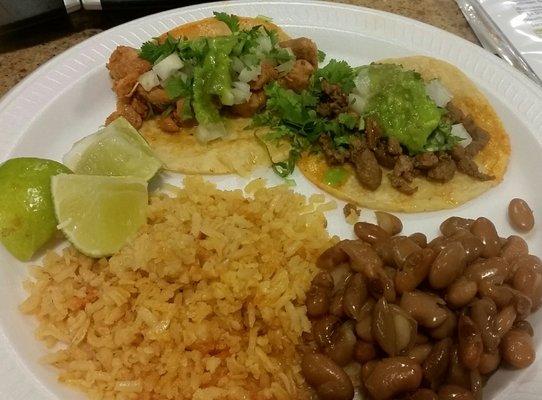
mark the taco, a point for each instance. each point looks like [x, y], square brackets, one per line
[191, 92]
[429, 139]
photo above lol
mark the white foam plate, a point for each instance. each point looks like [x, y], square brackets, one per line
[70, 96]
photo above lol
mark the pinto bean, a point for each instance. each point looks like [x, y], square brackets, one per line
[389, 222]
[436, 364]
[415, 270]
[336, 306]
[473, 246]
[520, 215]
[331, 258]
[365, 260]
[448, 265]
[367, 369]
[522, 304]
[502, 295]
[421, 339]
[385, 251]
[461, 292]
[343, 341]
[370, 233]
[453, 224]
[524, 326]
[525, 261]
[364, 329]
[470, 345]
[476, 384]
[504, 320]
[483, 313]
[355, 294]
[447, 328]
[419, 238]
[393, 376]
[484, 229]
[323, 329]
[427, 309]
[494, 270]
[457, 373]
[454, 392]
[513, 247]
[362, 256]
[328, 379]
[489, 362]
[420, 352]
[364, 351]
[393, 328]
[439, 243]
[402, 247]
[529, 282]
[319, 294]
[517, 348]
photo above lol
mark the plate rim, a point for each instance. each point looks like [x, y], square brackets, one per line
[5, 346]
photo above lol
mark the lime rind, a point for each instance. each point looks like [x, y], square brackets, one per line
[99, 214]
[116, 150]
[27, 218]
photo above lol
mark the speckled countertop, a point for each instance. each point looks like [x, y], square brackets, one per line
[17, 63]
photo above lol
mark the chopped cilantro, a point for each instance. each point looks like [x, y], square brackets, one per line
[291, 107]
[348, 120]
[178, 86]
[321, 56]
[153, 51]
[441, 138]
[229, 19]
[338, 73]
[335, 176]
[193, 49]
[285, 168]
[341, 140]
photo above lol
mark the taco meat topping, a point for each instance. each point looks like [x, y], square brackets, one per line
[333, 101]
[303, 49]
[372, 117]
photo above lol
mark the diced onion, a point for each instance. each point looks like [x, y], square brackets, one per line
[168, 66]
[237, 65]
[438, 92]
[227, 98]
[264, 44]
[285, 67]
[148, 80]
[356, 103]
[363, 83]
[250, 74]
[460, 131]
[210, 132]
[241, 92]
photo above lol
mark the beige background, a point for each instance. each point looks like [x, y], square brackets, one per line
[18, 63]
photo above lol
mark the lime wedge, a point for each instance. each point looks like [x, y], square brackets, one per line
[98, 214]
[116, 150]
[27, 217]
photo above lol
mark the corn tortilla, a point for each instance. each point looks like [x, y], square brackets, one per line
[240, 152]
[431, 196]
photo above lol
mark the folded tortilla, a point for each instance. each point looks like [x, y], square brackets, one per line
[240, 151]
[430, 196]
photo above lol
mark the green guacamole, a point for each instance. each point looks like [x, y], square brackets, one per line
[399, 102]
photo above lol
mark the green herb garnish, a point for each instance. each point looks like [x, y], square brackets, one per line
[338, 73]
[153, 51]
[335, 176]
[229, 19]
